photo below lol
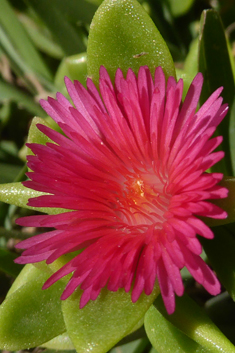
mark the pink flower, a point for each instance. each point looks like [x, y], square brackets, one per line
[132, 170]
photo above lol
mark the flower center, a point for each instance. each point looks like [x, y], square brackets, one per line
[135, 190]
[143, 200]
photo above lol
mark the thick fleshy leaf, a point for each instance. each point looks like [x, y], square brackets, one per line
[122, 35]
[165, 337]
[61, 342]
[193, 322]
[74, 67]
[102, 323]
[35, 135]
[220, 252]
[29, 316]
[28, 273]
[153, 350]
[137, 346]
[18, 195]
[214, 63]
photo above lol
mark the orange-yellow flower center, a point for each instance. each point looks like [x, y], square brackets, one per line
[135, 189]
[144, 201]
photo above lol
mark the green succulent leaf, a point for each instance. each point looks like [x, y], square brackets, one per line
[74, 67]
[35, 135]
[61, 342]
[137, 346]
[28, 273]
[18, 195]
[193, 322]
[29, 316]
[214, 63]
[102, 323]
[165, 337]
[122, 35]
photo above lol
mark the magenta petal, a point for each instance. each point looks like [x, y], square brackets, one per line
[167, 291]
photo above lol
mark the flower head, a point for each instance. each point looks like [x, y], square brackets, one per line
[131, 170]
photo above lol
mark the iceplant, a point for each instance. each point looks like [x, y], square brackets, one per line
[131, 171]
